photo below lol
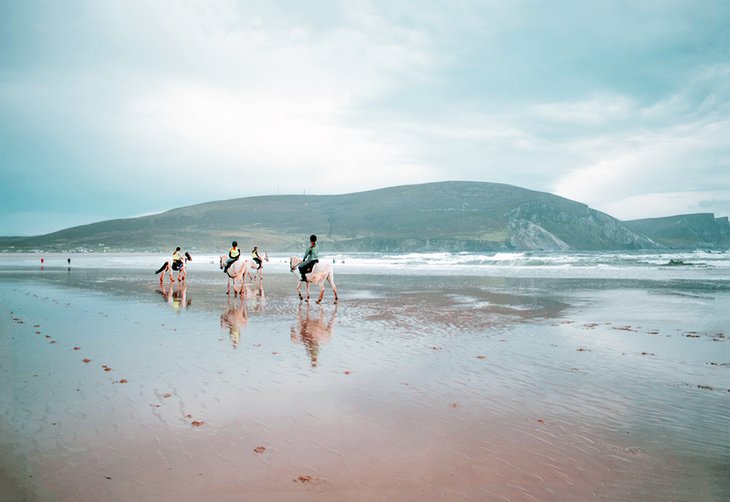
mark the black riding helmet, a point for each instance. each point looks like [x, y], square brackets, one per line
[313, 238]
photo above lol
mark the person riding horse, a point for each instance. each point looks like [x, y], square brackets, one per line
[177, 259]
[311, 256]
[233, 254]
[256, 258]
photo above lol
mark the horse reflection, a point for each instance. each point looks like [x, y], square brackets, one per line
[313, 331]
[235, 318]
[177, 298]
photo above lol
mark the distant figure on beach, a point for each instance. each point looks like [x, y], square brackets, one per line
[41, 261]
[233, 255]
[69, 262]
[311, 257]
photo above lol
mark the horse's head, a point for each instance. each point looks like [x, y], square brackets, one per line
[293, 262]
[222, 261]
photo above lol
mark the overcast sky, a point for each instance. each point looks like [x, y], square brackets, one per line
[114, 109]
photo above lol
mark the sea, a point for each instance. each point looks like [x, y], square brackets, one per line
[693, 264]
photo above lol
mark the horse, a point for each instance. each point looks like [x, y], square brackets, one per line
[181, 270]
[258, 270]
[236, 273]
[319, 273]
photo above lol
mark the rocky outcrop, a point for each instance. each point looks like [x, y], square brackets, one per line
[575, 227]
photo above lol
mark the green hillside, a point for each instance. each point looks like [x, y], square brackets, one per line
[686, 231]
[449, 216]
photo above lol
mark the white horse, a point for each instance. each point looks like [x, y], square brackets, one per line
[181, 271]
[319, 273]
[256, 269]
[236, 273]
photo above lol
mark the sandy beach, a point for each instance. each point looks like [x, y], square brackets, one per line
[417, 387]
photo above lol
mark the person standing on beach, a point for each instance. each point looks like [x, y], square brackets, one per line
[233, 254]
[311, 257]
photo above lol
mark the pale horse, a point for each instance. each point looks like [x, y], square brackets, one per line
[319, 273]
[254, 268]
[236, 273]
[181, 272]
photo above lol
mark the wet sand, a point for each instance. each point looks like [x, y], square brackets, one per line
[427, 388]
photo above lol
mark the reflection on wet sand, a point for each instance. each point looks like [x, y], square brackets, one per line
[176, 297]
[313, 331]
[235, 318]
[259, 298]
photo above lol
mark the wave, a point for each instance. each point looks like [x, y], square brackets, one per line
[640, 264]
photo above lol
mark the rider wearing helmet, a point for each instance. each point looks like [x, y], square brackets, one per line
[256, 258]
[233, 254]
[177, 260]
[311, 257]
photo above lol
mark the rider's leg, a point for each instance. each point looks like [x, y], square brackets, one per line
[303, 269]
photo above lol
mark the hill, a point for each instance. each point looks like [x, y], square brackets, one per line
[685, 231]
[443, 216]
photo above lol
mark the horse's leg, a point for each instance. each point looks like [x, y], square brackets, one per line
[321, 291]
[299, 289]
[307, 290]
[228, 283]
[331, 280]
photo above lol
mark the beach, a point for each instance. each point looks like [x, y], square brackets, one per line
[431, 383]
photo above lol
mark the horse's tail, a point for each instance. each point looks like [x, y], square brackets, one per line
[163, 267]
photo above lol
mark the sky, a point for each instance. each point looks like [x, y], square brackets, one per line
[116, 109]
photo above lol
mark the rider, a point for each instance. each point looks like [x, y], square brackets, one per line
[311, 256]
[256, 257]
[233, 254]
[177, 259]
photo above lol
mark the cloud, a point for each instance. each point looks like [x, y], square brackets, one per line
[655, 205]
[136, 107]
[677, 145]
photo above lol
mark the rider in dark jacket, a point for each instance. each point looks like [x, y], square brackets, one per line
[311, 257]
